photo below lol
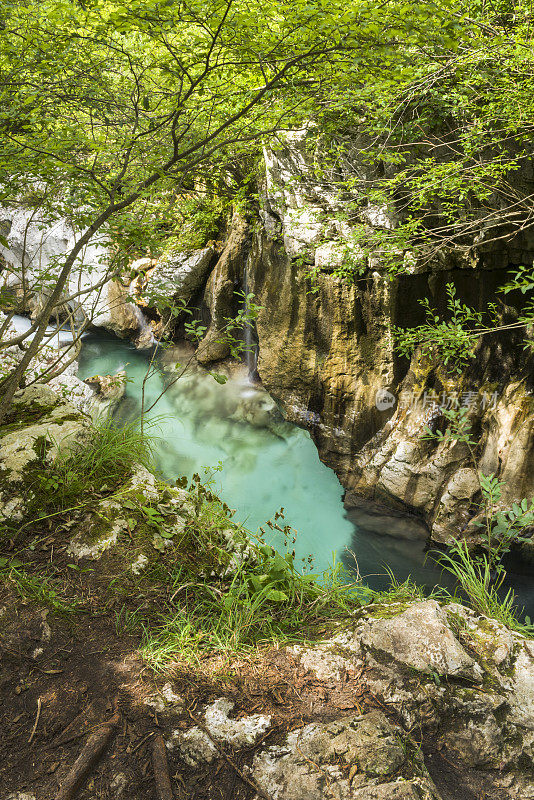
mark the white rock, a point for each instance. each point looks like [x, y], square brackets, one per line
[167, 699]
[177, 275]
[522, 699]
[139, 564]
[421, 638]
[242, 732]
[323, 662]
[41, 245]
[194, 746]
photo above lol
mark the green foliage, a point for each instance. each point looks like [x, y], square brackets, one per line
[475, 578]
[80, 473]
[452, 342]
[481, 574]
[503, 528]
[39, 588]
[262, 605]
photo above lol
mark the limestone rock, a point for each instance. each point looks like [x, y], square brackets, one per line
[36, 415]
[40, 245]
[194, 746]
[421, 638]
[107, 392]
[316, 760]
[522, 700]
[219, 294]
[242, 732]
[197, 746]
[177, 275]
[448, 671]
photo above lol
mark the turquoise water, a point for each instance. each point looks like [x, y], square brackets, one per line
[266, 463]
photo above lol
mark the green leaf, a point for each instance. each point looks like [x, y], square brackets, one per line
[222, 379]
[276, 596]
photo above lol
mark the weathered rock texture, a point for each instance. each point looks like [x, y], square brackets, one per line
[175, 276]
[35, 251]
[462, 679]
[326, 351]
[219, 295]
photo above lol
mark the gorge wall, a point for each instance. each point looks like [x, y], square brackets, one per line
[326, 352]
[325, 334]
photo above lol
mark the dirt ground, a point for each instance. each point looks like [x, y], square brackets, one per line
[63, 677]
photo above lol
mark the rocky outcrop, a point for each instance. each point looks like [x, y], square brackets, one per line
[38, 423]
[33, 255]
[361, 757]
[107, 392]
[450, 704]
[463, 680]
[326, 349]
[175, 277]
[219, 295]
[56, 366]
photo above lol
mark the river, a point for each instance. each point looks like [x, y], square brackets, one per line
[235, 435]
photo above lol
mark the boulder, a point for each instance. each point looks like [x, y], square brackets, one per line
[40, 244]
[463, 679]
[421, 638]
[177, 276]
[352, 758]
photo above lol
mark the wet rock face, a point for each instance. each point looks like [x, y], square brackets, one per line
[326, 351]
[219, 294]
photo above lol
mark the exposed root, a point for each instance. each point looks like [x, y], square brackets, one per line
[161, 769]
[91, 752]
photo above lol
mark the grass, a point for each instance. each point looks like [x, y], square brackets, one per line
[264, 602]
[475, 578]
[218, 589]
[99, 464]
[41, 589]
[214, 588]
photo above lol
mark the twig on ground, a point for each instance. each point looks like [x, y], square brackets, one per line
[36, 723]
[142, 742]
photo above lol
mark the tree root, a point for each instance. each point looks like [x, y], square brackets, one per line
[89, 756]
[161, 769]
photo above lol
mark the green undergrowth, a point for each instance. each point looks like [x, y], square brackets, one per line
[216, 588]
[178, 572]
[483, 589]
[90, 468]
[40, 588]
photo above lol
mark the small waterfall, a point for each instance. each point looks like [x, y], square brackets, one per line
[250, 341]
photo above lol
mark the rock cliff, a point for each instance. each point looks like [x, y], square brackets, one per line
[326, 350]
